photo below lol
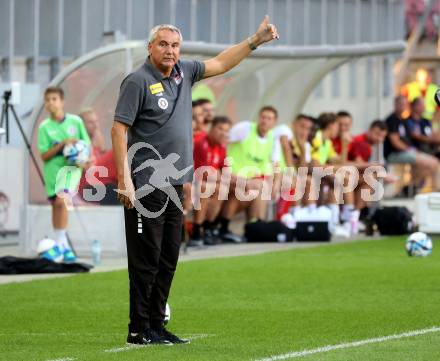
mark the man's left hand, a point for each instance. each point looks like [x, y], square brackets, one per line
[266, 32]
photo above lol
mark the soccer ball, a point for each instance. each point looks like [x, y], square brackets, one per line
[167, 314]
[77, 153]
[419, 244]
[48, 249]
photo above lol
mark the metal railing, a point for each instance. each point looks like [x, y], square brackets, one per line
[60, 29]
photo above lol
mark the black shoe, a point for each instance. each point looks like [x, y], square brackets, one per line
[210, 239]
[149, 337]
[195, 243]
[170, 337]
[230, 237]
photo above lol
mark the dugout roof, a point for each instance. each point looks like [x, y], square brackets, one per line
[283, 76]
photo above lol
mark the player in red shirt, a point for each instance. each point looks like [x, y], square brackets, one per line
[209, 151]
[93, 126]
[208, 111]
[199, 127]
[359, 154]
[341, 142]
[109, 180]
[199, 131]
[101, 156]
[360, 148]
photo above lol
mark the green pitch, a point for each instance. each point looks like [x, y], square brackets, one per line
[244, 308]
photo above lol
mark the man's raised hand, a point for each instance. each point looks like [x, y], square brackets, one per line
[266, 32]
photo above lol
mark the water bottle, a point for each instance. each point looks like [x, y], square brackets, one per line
[96, 252]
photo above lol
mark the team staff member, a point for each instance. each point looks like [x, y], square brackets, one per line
[399, 148]
[154, 106]
[420, 129]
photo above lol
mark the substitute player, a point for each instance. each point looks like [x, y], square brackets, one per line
[54, 133]
[252, 152]
[154, 110]
[209, 151]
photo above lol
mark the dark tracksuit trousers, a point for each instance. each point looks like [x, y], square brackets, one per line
[153, 246]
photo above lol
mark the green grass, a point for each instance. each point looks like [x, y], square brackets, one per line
[252, 307]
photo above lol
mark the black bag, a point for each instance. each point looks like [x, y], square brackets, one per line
[261, 231]
[393, 220]
[15, 265]
[312, 232]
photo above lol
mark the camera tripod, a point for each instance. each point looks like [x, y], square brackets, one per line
[7, 106]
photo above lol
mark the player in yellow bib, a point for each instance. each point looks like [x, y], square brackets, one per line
[324, 155]
[251, 152]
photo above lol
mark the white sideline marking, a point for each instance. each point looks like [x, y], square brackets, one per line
[199, 335]
[125, 348]
[328, 348]
[131, 347]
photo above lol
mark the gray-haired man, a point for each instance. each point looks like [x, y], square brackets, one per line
[154, 107]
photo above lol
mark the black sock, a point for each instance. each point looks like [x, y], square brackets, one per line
[216, 222]
[196, 231]
[224, 225]
[207, 225]
[156, 325]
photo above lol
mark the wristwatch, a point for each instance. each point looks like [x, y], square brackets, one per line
[251, 44]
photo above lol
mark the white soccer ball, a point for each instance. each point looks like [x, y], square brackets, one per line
[419, 244]
[47, 248]
[167, 314]
[45, 244]
[77, 153]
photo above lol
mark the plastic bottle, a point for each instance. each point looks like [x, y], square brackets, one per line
[96, 252]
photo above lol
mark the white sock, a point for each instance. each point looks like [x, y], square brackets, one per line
[354, 221]
[311, 207]
[334, 208]
[294, 210]
[346, 212]
[61, 239]
[355, 214]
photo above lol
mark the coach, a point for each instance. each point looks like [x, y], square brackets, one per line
[154, 113]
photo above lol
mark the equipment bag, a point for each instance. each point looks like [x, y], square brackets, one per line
[393, 220]
[313, 224]
[312, 232]
[262, 231]
[15, 265]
